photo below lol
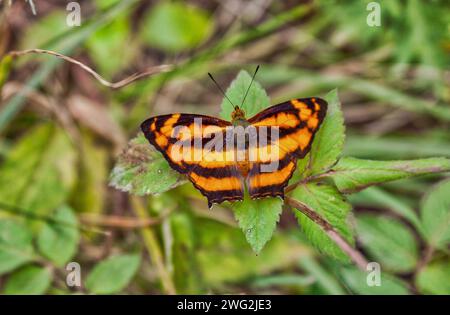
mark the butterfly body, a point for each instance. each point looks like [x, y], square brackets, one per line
[224, 158]
[238, 117]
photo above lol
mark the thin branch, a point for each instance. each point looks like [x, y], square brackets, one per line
[18, 211]
[427, 256]
[115, 221]
[32, 6]
[354, 254]
[30, 2]
[114, 85]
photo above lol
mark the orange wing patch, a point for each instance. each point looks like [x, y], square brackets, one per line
[297, 120]
[182, 139]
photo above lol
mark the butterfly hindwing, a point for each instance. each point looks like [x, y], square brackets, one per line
[297, 122]
[215, 177]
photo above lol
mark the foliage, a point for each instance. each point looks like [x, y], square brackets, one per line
[113, 274]
[326, 201]
[175, 26]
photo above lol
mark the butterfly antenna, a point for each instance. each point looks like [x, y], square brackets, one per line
[246, 93]
[218, 86]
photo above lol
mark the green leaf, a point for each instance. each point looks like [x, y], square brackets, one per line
[331, 205]
[434, 279]
[142, 170]
[45, 160]
[388, 241]
[16, 248]
[283, 280]
[357, 281]
[186, 273]
[5, 68]
[89, 194]
[256, 99]
[113, 274]
[176, 26]
[324, 279]
[59, 241]
[435, 215]
[377, 197]
[328, 142]
[351, 174]
[44, 29]
[223, 256]
[396, 147]
[111, 47]
[28, 280]
[104, 4]
[258, 219]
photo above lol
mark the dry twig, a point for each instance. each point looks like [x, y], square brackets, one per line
[114, 85]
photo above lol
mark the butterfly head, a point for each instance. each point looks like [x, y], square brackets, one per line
[237, 114]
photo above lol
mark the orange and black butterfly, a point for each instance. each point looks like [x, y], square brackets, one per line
[220, 165]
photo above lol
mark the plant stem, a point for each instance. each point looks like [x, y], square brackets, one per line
[354, 254]
[153, 247]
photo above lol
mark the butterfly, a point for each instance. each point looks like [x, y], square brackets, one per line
[222, 157]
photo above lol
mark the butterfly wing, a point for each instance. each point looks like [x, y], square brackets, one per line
[296, 123]
[188, 143]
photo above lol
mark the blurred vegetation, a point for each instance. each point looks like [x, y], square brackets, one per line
[62, 132]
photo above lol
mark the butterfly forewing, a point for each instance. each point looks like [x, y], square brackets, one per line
[195, 145]
[295, 123]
